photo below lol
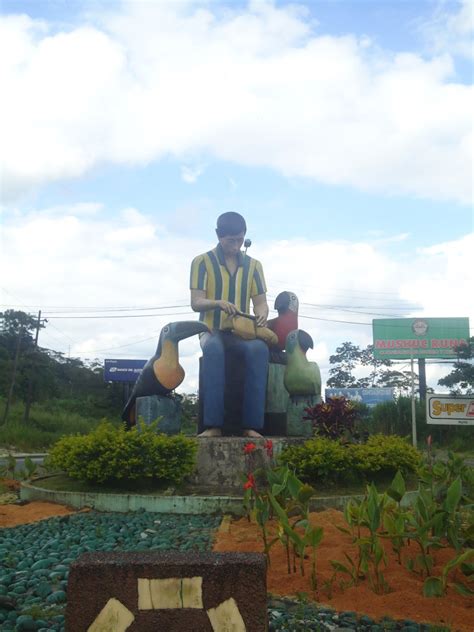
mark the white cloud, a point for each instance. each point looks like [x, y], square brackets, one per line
[253, 85]
[190, 174]
[63, 263]
[451, 31]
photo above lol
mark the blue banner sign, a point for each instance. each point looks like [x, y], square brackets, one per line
[368, 396]
[122, 370]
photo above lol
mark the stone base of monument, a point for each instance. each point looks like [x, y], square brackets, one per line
[172, 592]
[222, 465]
[165, 409]
[296, 425]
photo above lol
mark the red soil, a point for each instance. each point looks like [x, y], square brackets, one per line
[404, 601]
[13, 515]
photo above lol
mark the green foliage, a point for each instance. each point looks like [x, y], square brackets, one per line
[430, 523]
[320, 460]
[50, 373]
[383, 456]
[323, 460]
[367, 513]
[286, 497]
[395, 417]
[461, 378]
[189, 404]
[47, 424]
[114, 454]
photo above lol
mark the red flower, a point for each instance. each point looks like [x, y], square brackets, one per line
[250, 482]
[249, 447]
[269, 447]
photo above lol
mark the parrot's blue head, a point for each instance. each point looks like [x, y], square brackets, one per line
[298, 338]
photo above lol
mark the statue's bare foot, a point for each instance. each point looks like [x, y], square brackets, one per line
[253, 434]
[211, 432]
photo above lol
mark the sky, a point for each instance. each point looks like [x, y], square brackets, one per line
[341, 130]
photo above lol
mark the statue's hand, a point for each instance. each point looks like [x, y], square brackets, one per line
[228, 308]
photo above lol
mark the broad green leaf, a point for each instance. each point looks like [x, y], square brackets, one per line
[397, 487]
[433, 587]
[315, 536]
[338, 566]
[453, 495]
[294, 485]
[462, 589]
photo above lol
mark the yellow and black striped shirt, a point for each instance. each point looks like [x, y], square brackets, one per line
[209, 273]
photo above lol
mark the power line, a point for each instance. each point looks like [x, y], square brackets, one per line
[122, 316]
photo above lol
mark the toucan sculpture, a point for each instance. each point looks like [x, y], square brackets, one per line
[301, 376]
[286, 304]
[163, 372]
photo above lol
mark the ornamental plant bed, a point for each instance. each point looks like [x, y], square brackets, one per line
[404, 599]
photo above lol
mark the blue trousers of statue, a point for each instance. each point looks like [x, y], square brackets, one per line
[254, 354]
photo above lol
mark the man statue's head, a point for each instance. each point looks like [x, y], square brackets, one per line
[231, 229]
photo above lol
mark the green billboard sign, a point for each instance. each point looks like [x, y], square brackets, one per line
[419, 337]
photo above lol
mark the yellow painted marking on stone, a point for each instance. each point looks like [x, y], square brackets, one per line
[166, 593]
[114, 617]
[144, 594]
[191, 591]
[226, 617]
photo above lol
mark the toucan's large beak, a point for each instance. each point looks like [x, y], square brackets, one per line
[186, 329]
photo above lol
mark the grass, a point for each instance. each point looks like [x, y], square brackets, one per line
[46, 425]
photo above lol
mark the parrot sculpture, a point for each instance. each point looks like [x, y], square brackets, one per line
[286, 304]
[163, 372]
[301, 376]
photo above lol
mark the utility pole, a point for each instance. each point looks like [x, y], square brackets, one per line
[32, 379]
[422, 378]
[12, 383]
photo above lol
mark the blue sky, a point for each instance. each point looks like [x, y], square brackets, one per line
[341, 130]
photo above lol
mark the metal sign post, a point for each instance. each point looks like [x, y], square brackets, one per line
[413, 406]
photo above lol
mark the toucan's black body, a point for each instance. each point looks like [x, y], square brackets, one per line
[162, 373]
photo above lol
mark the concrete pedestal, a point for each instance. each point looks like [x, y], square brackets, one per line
[296, 426]
[222, 465]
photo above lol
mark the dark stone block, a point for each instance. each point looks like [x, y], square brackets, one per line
[166, 409]
[97, 577]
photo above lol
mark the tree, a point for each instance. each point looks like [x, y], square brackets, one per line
[367, 358]
[346, 358]
[461, 379]
[400, 380]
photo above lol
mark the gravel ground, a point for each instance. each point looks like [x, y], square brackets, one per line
[35, 557]
[35, 560]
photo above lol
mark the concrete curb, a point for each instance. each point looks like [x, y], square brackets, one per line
[167, 504]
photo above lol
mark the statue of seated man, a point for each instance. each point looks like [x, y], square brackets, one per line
[223, 282]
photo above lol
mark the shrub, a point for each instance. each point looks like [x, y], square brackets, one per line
[320, 460]
[323, 460]
[383, 456]
[112, 454]
[334, 418]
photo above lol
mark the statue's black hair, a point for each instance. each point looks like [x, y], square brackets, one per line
[230, 224]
